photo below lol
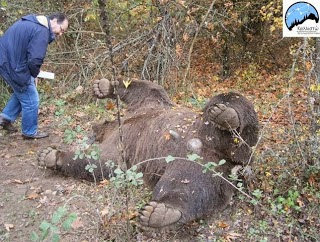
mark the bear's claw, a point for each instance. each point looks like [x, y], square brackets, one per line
[158, 215]
[226, 118]
[48, 158]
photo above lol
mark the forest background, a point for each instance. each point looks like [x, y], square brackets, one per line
[196, 49]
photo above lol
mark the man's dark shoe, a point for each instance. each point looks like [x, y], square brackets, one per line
[7, 125]
[38, 135]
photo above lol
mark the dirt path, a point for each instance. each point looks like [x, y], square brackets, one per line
[30, 195]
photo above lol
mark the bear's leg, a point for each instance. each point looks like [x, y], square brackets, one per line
[226, 118]
[48, 158]
[65, 163]
[135, 93]
[184, 193]
[158, 215]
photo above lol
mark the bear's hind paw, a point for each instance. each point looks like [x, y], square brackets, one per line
[158, 215]
[48, 158]
[226, 118]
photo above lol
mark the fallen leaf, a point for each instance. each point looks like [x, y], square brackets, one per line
[110, 105]
[183, 3]
[222, 225]
[33, 196]
[17, 181]
[104, 212]
[311, 180]
[30, 152]
[77, 224]
[21, 182]
[104, 183]
[232, 236]
[46, 121]
[79, 90]
[8, 226]
[133, 214]
[80, 114]
[300, 202]
[185, 37]
[179, 50]
[167, 136]
[44, 200]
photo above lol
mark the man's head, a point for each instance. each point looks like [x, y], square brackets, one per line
[59, 23]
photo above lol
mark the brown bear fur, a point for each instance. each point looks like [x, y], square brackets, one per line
[154, 128]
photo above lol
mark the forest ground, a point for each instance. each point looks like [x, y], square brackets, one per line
[30, 195]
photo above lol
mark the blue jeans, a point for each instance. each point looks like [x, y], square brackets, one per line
[26, 103]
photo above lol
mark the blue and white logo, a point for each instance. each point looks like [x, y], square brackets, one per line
[301, 19]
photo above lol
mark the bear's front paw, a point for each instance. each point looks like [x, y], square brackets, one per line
[48, 158]
[226, 118]
[102, 88]
[158, 215]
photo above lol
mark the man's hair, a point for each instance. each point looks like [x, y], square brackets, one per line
[59, 16]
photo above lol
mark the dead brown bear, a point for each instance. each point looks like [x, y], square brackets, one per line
[154, 127]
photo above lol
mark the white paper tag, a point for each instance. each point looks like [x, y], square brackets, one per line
[46, 75]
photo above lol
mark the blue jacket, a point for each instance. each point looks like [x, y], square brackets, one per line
[23, 48]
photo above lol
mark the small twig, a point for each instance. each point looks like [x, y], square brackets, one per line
[107, 29]
[193, 41]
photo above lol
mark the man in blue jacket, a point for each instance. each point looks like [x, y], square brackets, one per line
[23, 48]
